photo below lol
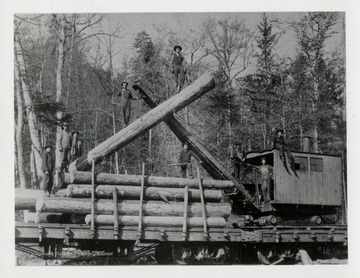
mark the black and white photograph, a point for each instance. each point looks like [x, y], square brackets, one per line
[179, 139]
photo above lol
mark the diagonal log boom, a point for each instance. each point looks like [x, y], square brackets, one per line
[210, 164]
[201, 86]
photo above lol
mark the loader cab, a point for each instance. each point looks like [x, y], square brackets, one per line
[314, 182]
[252, 177]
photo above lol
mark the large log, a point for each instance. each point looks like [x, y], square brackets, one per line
[202, 85]
[157, 221]
[25, 199]
[80, 177]
[210, 164]
[127, 207]
[52, 217]
[133, 193]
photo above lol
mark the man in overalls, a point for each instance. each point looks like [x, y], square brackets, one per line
[178, 68]
[126, 97]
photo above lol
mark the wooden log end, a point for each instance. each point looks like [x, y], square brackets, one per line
[69, 190]
[67, 178]
[40, 204]
[27, 216]
[88, 219]
[37, 217]
[72, 168]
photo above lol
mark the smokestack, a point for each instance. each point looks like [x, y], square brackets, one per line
[306, 144]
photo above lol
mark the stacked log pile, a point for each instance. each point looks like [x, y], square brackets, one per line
[163, 204]
[160, 197]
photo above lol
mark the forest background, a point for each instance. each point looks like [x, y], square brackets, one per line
[273, 70]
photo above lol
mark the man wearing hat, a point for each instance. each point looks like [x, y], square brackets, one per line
[65, 145]
[48, 168]
[185, 157]
[178, 68]
[279, 144]
[126, 96]
[76, 147]
[238, 156]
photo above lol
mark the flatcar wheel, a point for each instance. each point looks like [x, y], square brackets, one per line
[182, 255]
[218, 256]
[331, 218]
[268, 256]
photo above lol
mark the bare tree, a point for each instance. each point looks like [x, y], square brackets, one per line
[60, 23]
[109, 40]
[19, 125]
[32, 119]
[231, 44]
[312, 30]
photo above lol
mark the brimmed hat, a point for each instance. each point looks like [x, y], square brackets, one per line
[177, 46]
[76, 132]
[127, 83]
[47, 146]
[279, 130]
[185, 143]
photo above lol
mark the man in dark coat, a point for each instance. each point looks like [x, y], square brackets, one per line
[238, 156]
[185, 157]
[76, 147]
[178, 68]
[64, 146]
[279, 144]
[126, 97]
[48, 168]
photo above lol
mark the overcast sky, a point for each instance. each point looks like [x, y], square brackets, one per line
[136, 22]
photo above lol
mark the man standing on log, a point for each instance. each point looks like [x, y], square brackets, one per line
[178, 68]
[64, 146]
[126, 96]
[185, 158]
[76, 147]
[48, 168]
[238, 156]
[279, 144]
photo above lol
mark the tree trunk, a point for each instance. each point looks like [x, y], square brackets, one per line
[146, 122]
[155, 221]
[127, 207]
[18, 131]
[316, 138]
[149, 151]
[73, 25]
[135, 180]
[133, 192]
[229, 122]
[60, 65]
[32, 119]
[96, 127]
[34, 177]
[17, 184]
[114, 132]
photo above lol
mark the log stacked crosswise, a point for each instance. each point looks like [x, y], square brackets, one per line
[163, 201]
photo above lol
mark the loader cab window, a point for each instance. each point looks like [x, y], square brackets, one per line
[301, 163]
[316, 164]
